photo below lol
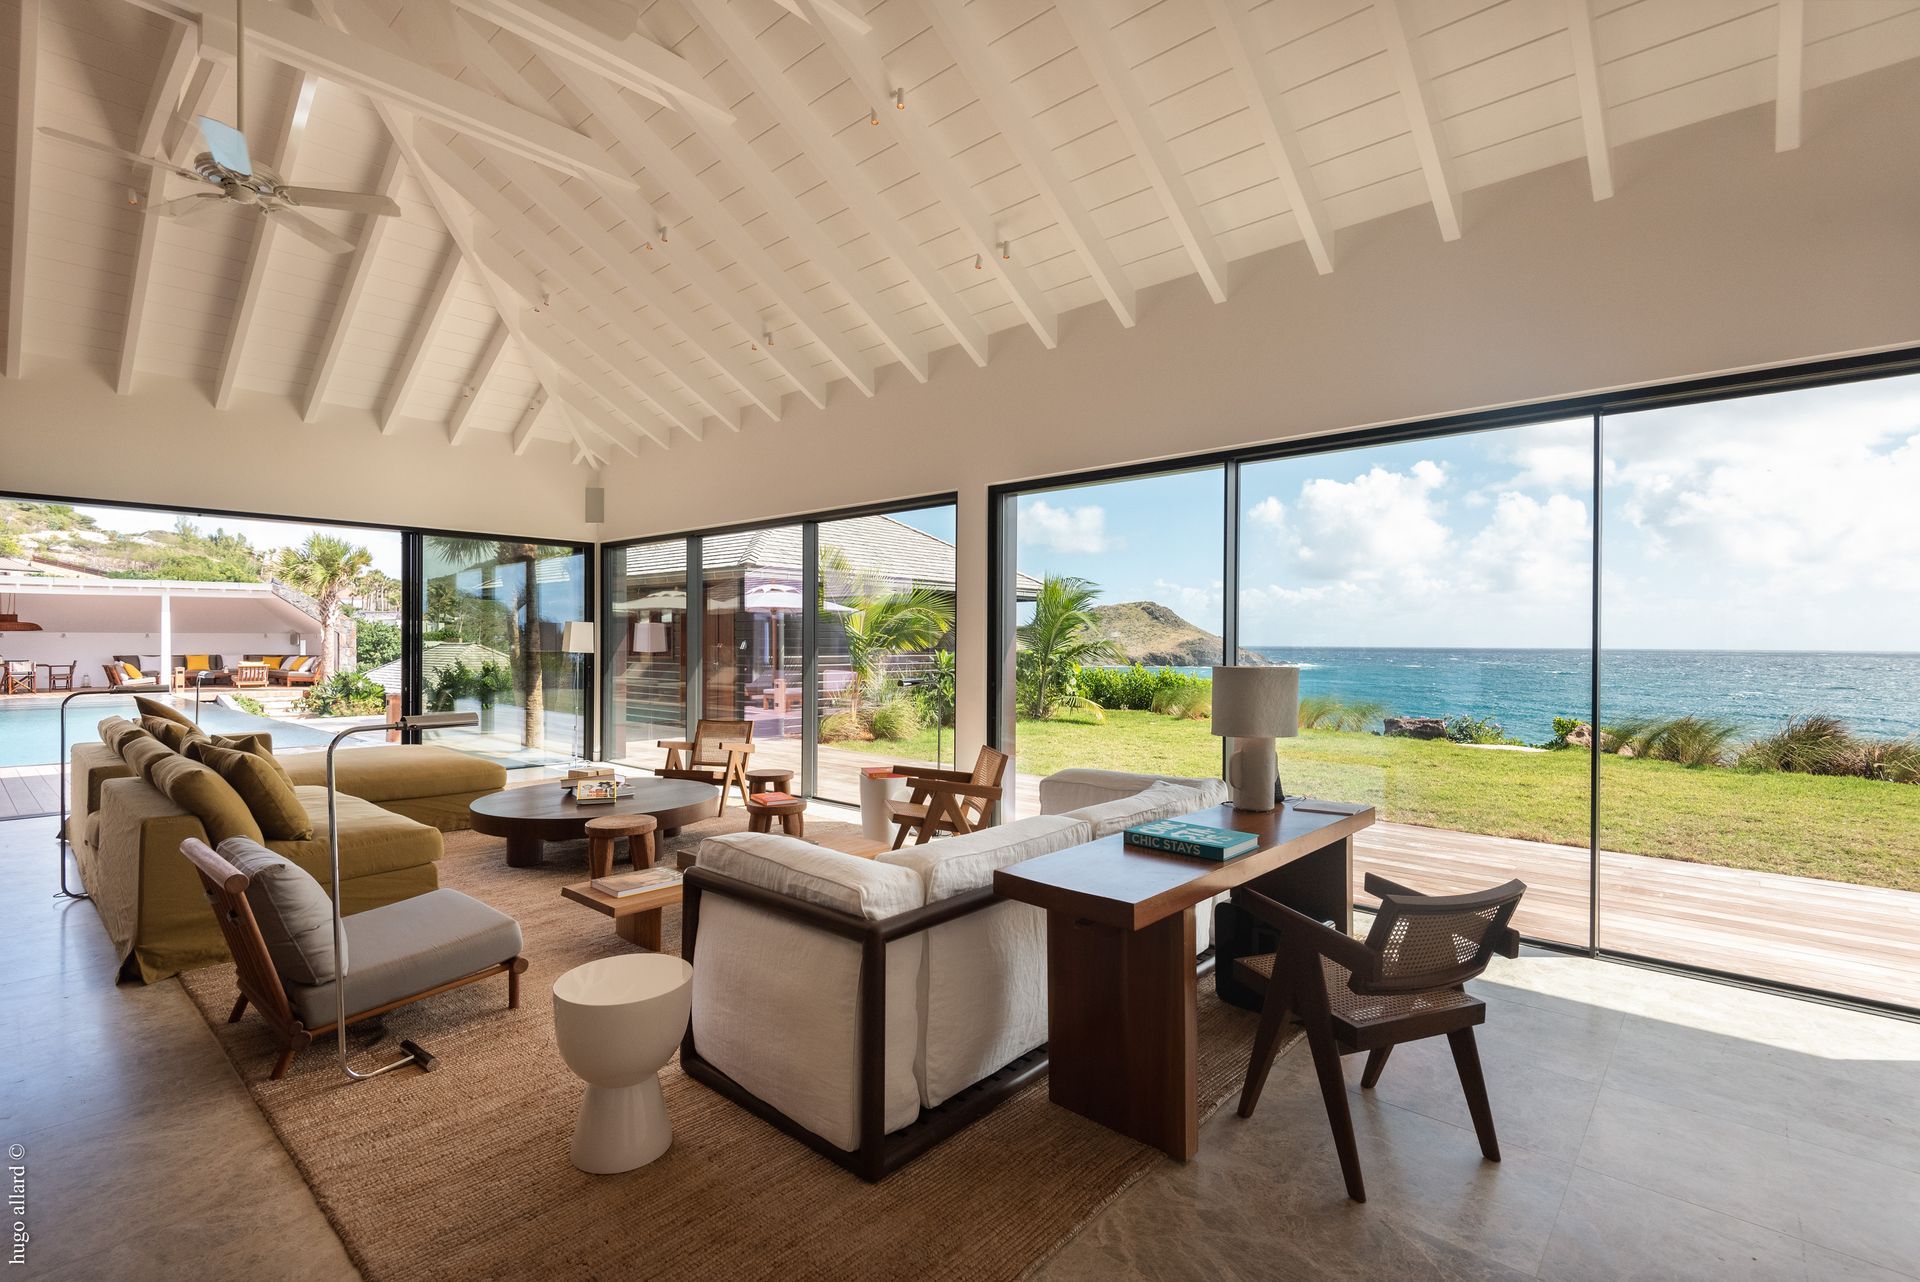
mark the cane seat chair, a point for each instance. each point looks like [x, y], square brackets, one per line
[717, 754]
[1404, 983]
[947, 800]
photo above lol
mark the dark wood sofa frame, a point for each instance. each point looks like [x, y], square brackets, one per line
[880, 1153]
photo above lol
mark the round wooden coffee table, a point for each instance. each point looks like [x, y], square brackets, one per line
[542, 812]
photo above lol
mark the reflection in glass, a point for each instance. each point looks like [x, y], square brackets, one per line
[646, 647]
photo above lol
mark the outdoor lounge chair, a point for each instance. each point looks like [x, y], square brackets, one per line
[953, 801]
[1406, 982]
[297, 671]
[716, 754]
[117, 677]
[18, 677]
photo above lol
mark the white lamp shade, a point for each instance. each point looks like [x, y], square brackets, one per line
[577, 638]
[1256, 703]
[649, 638]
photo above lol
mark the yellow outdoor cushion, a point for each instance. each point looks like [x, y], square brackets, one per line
[200, 790]
[196, 663]
[132, 673]
[160, 708]
[268, 795]
[273, 660]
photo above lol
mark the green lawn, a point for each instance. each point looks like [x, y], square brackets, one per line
[1853, 830]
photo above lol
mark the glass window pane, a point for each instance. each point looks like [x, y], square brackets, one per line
[645, 650]
[493, 642]
[886, 645]
[1437, 597]
[1119, 610]
[1759, 810]
[750, 638]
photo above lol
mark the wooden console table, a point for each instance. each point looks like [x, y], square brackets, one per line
[1122, 1029]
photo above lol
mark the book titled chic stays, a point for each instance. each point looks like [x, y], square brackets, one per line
[1177, 837]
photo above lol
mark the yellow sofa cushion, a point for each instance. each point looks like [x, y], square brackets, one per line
[272, 660]
[399, 772]
[196, 663]
[373, 840]
[143, 753]
[172, 733]
[117, 731]
[157, 707]
[268, 795]
[200, 791]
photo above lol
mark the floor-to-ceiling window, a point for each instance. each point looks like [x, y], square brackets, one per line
[1760, 695]
[1118, 609]
[494, 642]
[645, 645]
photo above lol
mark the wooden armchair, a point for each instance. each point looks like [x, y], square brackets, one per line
[1403, 984]
[947, 800]
[716, 754]
[17, 676]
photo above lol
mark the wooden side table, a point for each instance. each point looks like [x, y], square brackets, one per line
[603, 837]
[772, 779]
[791, 814]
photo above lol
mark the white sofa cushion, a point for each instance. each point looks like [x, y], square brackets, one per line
[776, 1003]
[1159, 800]
[983, 993]
[1066, 790]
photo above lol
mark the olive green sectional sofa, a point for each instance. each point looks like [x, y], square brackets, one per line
[135, 797]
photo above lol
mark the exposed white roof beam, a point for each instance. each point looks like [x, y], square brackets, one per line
[1234, 25]
[627, 128]
[182, 131]
[370, 61]
[26, 77]
[914, 131]
[425, 330]
[529, 417]
[497, 256]
[981, 69]
[589, 410]
[279, 157]
[1593, 106]
[633, 60]
[577, 277]
[177, 64]
[373, 230]
[476, 385]
[1423, 117]
[492, 65]
[1789, 87]
[549, 332]
[566, 209]
[796, 115]
[1087, 23]
[833, 9]
[575, 323]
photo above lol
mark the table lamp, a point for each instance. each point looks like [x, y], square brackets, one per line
[1252, 707]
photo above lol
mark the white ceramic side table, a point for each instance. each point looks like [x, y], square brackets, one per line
[876, 791]
[617, 1022]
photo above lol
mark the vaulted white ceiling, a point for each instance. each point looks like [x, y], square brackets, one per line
[627, 243]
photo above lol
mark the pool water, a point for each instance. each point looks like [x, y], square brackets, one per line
[30, 728]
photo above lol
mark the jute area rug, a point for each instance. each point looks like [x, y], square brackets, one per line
[464, 1172]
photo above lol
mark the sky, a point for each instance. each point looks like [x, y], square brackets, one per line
[1779, 522]
[384, 545]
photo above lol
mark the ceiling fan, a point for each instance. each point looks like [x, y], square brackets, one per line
[227, 166]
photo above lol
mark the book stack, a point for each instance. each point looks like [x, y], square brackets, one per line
[1197, 841]
[774, 798]
[634, 883]
[577, 773]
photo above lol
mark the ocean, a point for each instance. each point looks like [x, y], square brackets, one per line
[1524, 690]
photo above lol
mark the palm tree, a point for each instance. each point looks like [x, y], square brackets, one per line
[325, 568]
[1063, 634]
[892, 623]
[486, 554]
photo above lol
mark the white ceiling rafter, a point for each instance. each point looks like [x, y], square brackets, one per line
[1593, 103]
[601, 342]
[366, 251]
[178, 62]
[25, 81]
[1234, 25]
[981, 68]
[476, 385]
[1789, 74]
[914, 132]
[1087, 23]
[279, 156]
[433, 317]
[847, 17]
[555, 336]
[625, 128]
[829, 156]
[1423, 116]
[529, 419]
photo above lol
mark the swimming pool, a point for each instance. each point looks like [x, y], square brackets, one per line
[30, 727]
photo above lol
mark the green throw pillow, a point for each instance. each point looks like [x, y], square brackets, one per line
[266, 792]
[160, 708]
[144, 752]
[172, 733]
[200, 791]
[248, 743]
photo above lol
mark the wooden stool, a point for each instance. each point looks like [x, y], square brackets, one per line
[791, 814]
[772, 779]
[605, 832]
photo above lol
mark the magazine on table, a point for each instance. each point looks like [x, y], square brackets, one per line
[633, 883]
[596, 791]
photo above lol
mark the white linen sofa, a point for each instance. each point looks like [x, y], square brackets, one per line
[872, 1007]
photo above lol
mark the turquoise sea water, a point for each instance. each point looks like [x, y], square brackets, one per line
[1524, 690]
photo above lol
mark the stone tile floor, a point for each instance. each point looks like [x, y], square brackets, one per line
[1654, 1127]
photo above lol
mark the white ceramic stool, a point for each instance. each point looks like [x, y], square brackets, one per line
[617, 1022]
[877, 789]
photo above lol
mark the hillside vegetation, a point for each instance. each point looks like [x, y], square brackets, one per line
[1149, 633]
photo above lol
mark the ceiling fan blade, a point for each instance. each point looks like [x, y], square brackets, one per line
[357, 202]
[180, 205]
[131, 157]
[227, 144]
[308, 230]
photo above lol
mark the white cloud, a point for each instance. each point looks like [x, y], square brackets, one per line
[1378, 526]
[1542, 549]
[1204, 606]
[1071, 530]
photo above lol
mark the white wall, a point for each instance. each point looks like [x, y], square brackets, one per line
[1715, 255]
[65, 432]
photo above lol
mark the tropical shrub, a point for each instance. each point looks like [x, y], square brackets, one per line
[1330, 712]
[1813, 745]
[450, 685]
[247, 703]
[1138, 688]
[492, 681]
[1188, 698]
[842, 727]
[1686, 741]
[1476, 730]
[376, 642]
[936, 690]
[899, 719]
[1062, 637]
[1894, 760]
[1562, 727]
[344, 694]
